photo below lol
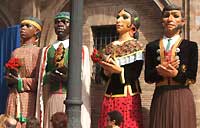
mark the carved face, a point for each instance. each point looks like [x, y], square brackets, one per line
[61, 27]
[172, 20]
[123, 23]
[28, 31]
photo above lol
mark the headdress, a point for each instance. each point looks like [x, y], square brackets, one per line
[63, 15]
[34, 21]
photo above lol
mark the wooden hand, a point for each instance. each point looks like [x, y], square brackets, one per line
[110, 67]
[53, 78]
[56, 77]
[11, 79]
[62, 70]
[175, 63]
[169, 71]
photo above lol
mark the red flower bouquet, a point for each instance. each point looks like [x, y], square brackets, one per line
[13, 66]
[97, 56]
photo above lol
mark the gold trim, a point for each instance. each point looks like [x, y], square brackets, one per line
[162, 55]
[33, 23]
[127, 88]
[190, 81]
[183, 68]
[122, 76]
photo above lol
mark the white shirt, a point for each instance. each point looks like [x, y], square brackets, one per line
[173, 41]
[65, 43]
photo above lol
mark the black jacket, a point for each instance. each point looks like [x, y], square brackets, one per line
[188, 55]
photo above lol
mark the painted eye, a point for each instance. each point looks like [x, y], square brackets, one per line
[56, 21]
[176, 16]
[65, 21]
[27, 25]
[166, 15]
[125, 16]
[22, 25]
[118, 17]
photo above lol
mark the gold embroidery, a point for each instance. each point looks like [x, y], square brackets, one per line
[183, 68]
[189, 81]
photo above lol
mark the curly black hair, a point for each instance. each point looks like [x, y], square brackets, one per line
[116, 116]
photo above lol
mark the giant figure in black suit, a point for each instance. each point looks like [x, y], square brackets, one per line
[171, 63]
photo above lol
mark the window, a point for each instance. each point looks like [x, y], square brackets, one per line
[102, 36]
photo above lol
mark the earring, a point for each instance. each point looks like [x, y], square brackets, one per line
[131, 33]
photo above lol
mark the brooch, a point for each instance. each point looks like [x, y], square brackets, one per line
[183, 68]
[158, 51]
[178, 50]
[158, 58]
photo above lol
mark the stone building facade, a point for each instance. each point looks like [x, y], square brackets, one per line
[101, 13]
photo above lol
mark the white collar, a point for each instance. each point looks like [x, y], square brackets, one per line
[174, 38]
[65, 43]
